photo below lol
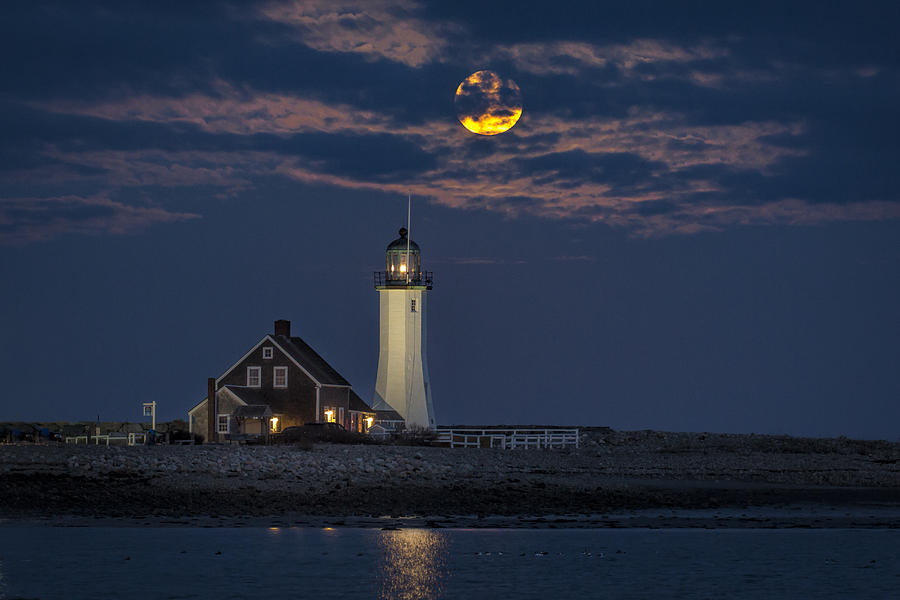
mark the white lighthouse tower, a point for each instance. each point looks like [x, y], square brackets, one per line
[402, 383]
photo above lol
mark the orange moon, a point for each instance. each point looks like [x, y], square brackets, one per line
[486, 104]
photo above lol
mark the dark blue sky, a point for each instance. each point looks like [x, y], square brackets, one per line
[694, 225]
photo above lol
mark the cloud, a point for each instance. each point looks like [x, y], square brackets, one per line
[470, 260]
[25, 220]
[656, 129]
[376, 29]
[694, 219]
[575, 258]
[574, 57]
[673, 178]
[142, 168]
[652, 172]
[232, 110]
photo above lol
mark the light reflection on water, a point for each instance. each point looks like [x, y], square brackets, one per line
[413, 564]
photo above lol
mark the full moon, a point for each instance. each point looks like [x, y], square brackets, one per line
[486, 104]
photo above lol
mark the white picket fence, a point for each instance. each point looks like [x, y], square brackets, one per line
[508, 438]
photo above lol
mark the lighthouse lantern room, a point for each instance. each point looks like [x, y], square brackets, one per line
[402, 382]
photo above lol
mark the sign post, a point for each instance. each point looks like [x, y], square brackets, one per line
[150, 411]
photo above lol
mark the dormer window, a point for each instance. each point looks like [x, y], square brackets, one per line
[254, 376]
[268, 352]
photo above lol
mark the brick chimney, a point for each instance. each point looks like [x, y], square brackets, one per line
[210, 410]
[283, 327]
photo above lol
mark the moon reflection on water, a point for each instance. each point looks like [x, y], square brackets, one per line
[414, 564]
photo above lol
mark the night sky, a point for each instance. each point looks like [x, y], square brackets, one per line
[695, 224]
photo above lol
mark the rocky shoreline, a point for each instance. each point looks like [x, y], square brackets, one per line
[615, 479]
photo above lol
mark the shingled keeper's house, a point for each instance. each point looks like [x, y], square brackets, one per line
[279, 382]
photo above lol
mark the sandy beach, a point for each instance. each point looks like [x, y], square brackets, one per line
[616, 479]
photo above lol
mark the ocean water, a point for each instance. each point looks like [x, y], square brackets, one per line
[254, 562]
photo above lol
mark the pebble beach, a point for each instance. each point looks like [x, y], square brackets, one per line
[614, 479]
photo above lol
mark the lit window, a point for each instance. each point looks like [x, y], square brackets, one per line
[273, 424]
[281, 377]
[268, 351]
[412, 305]
[222, 424]
[253, 376]
[329, 414]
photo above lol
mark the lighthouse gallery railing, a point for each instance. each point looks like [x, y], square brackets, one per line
[385, 279]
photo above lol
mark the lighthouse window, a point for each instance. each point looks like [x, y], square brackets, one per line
[412, 305]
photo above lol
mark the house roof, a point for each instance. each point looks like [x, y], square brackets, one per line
[304, 355]
[358, 404]
[388, 415]
[277, 400]
[196, 406]
[252, 411]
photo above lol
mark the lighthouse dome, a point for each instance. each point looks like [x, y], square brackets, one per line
[399, 245]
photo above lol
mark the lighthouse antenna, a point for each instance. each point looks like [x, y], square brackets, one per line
[408, 224]
[408, 268]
